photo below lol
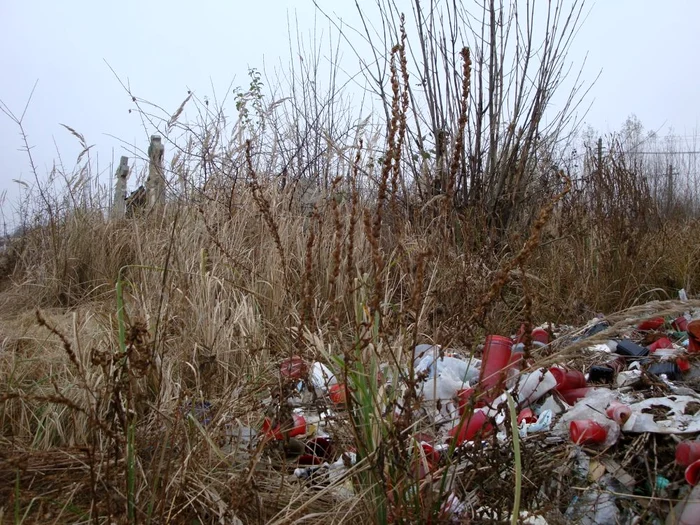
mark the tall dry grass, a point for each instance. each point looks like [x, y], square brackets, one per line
[277, 242]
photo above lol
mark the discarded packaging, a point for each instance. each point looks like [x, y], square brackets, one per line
[497, 353]
[678, 415]
[587, 432]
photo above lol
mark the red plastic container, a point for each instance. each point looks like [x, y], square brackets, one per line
[587, 432]
[694, 336]
[497, 355]
[540, 335]
[568, 379]
[338, 393]
[687, 452]
[527, 415]
[660, 344]
[651, 324]
[299, 428]
[469, 428]
[680, 324]
[692, 473]
[270, 431]
[573, 395]
[683, 364]
[293, 368]
[276, 432]
[618, 412]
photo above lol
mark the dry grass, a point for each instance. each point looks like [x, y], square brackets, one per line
[112, 332]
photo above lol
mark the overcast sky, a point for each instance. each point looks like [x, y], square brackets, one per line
[647, 51]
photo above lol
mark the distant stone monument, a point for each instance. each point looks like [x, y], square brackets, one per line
[122, 174]
[155, 184]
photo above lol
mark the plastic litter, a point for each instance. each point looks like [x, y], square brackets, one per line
[618, 412]
[661, 343]
[293, 368]
[593, 408]
[587, 432]
[543, 423]
[594, 507]
[687, 452]
[692, 473]
[568, 379]
[646, 416]
[670, 370]
[321, 378]
[630, 349]
[468, 428]
[497, 354]
[465, 401]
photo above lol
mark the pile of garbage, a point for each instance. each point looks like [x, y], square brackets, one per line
[602, 408]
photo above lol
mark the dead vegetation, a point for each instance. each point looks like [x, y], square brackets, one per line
[136, 353]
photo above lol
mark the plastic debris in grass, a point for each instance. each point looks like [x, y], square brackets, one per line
[665, 415]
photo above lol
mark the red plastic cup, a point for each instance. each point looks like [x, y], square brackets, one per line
[293, 368]
[573, 395]
[527, 415]
[618, 412]
[540, 335]
[587, 432]
[692, 473]
[568, 379]
[680, 324]
[694, 336]
[651, 324]
[270, 431]
[660, 344]
[299, 427]
[687, 452]
[469, 428]
[276, 432]
[497, 355]
[338, 394]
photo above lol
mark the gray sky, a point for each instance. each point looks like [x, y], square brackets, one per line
[647, 51]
